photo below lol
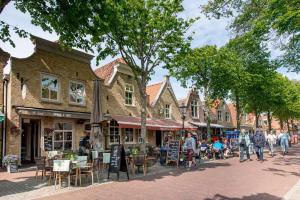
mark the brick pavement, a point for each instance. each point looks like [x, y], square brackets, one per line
[218, 180]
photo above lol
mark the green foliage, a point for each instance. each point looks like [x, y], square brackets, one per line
[261, 18]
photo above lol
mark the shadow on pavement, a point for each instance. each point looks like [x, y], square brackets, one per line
[281, 172]
[260, 196]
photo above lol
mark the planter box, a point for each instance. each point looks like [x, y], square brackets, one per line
[12, 168]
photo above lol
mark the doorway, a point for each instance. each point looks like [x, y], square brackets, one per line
[158, 138]
[30, 141]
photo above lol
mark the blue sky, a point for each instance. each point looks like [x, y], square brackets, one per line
[206, 32]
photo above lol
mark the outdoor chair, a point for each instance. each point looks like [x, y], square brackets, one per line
[62, 169]
[139, 161]
[40, 166]
[105, 160]
[84, 168]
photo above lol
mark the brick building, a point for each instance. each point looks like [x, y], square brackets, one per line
[49, 100]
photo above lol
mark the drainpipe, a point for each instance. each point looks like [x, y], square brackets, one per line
[4, 110]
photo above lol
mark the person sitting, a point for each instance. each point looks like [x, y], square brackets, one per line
[226, 148]
[218, 148]
[203, 149]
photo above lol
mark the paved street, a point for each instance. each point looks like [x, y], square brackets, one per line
[219, 180]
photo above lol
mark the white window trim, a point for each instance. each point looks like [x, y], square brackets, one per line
[220, 115]
[73, 133]
[226, 117]
[133, 98]
[119, 131]
[197, 105]
[58, 92]
[170, 112]
[133, 135]
[69, 92]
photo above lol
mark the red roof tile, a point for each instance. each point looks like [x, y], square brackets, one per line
[105, 72]
[152, 91]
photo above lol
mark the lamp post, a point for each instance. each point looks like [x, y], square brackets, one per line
[183, 109]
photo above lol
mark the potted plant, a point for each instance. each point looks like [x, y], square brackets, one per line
[11, 163]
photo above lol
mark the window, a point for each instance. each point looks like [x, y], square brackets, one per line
[167, 111]
[128, 135]
[128, 94]
[77, 93]
[114, 132]
[227, 117]
[219, 115]
[49, 87]
[194, 108]
[63, 136]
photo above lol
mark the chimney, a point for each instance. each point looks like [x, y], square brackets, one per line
[167, 77]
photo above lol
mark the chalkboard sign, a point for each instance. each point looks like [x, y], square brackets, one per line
[48, 143]
[117, 160]
[13, 168]
[173, 151]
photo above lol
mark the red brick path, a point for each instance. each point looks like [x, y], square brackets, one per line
[221, 180]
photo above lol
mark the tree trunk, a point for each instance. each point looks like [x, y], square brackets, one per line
[281, 123]
[207, 113]
[269, 121]
[143, 116]
[256, 118]
[288, 125]
[238, 112]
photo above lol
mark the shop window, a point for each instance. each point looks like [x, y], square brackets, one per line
[167, 111]
[114, 136]
[219, 115]
[129, 94]
[49, 87]
[194, 108]
[227, 117]
[77, 93]
[63, 136]
[128, 135]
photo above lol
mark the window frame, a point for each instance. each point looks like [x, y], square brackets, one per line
[125, 135]
[132, 94]
[63, 133]
[169, 111]
[219, 115]
[84, 96]
[58, 88]
[227, 117]
[195, 108]
[115, 126]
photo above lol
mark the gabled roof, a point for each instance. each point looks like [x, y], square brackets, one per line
[180, 101]
[153, 90]
[106, 71]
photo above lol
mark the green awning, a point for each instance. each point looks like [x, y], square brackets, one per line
[1, 117]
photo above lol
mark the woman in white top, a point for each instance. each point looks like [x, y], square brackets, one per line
[271, 138]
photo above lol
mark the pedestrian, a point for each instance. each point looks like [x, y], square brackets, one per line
[271, 139]
[259, 143]
[218, 148]
[190, 146]
[244, 142]
[284, 141]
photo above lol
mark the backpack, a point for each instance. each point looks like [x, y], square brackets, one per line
[258, 140]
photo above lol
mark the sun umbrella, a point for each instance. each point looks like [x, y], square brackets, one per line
[96, 136]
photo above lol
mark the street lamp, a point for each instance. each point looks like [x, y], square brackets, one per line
[183, 109]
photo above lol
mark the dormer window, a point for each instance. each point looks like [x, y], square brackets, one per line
[194, 108]
[77, 93]
[129, 95]
[167, 111]
[49, 87]
[220, 115]
[227, 117]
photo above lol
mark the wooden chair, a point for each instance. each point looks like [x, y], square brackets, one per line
[84, 168]
[62, 169]
[139, 161]
[40, 166]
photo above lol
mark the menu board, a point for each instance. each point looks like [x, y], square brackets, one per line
[48, 143]
[117, 160]
[173, 151]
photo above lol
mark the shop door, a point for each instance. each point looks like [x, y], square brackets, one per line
[30, 144]
[158, 138]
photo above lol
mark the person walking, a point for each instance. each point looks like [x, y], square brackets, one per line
[190, 146]
[244, 142]
[259, 143]
[271, 139]
[284, 141]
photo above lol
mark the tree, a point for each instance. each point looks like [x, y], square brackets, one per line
[199, 67]
[264, 17]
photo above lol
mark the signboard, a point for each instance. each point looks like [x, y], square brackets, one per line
[48, 143]
[117, 161]
[13, 168]
[173, 151]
